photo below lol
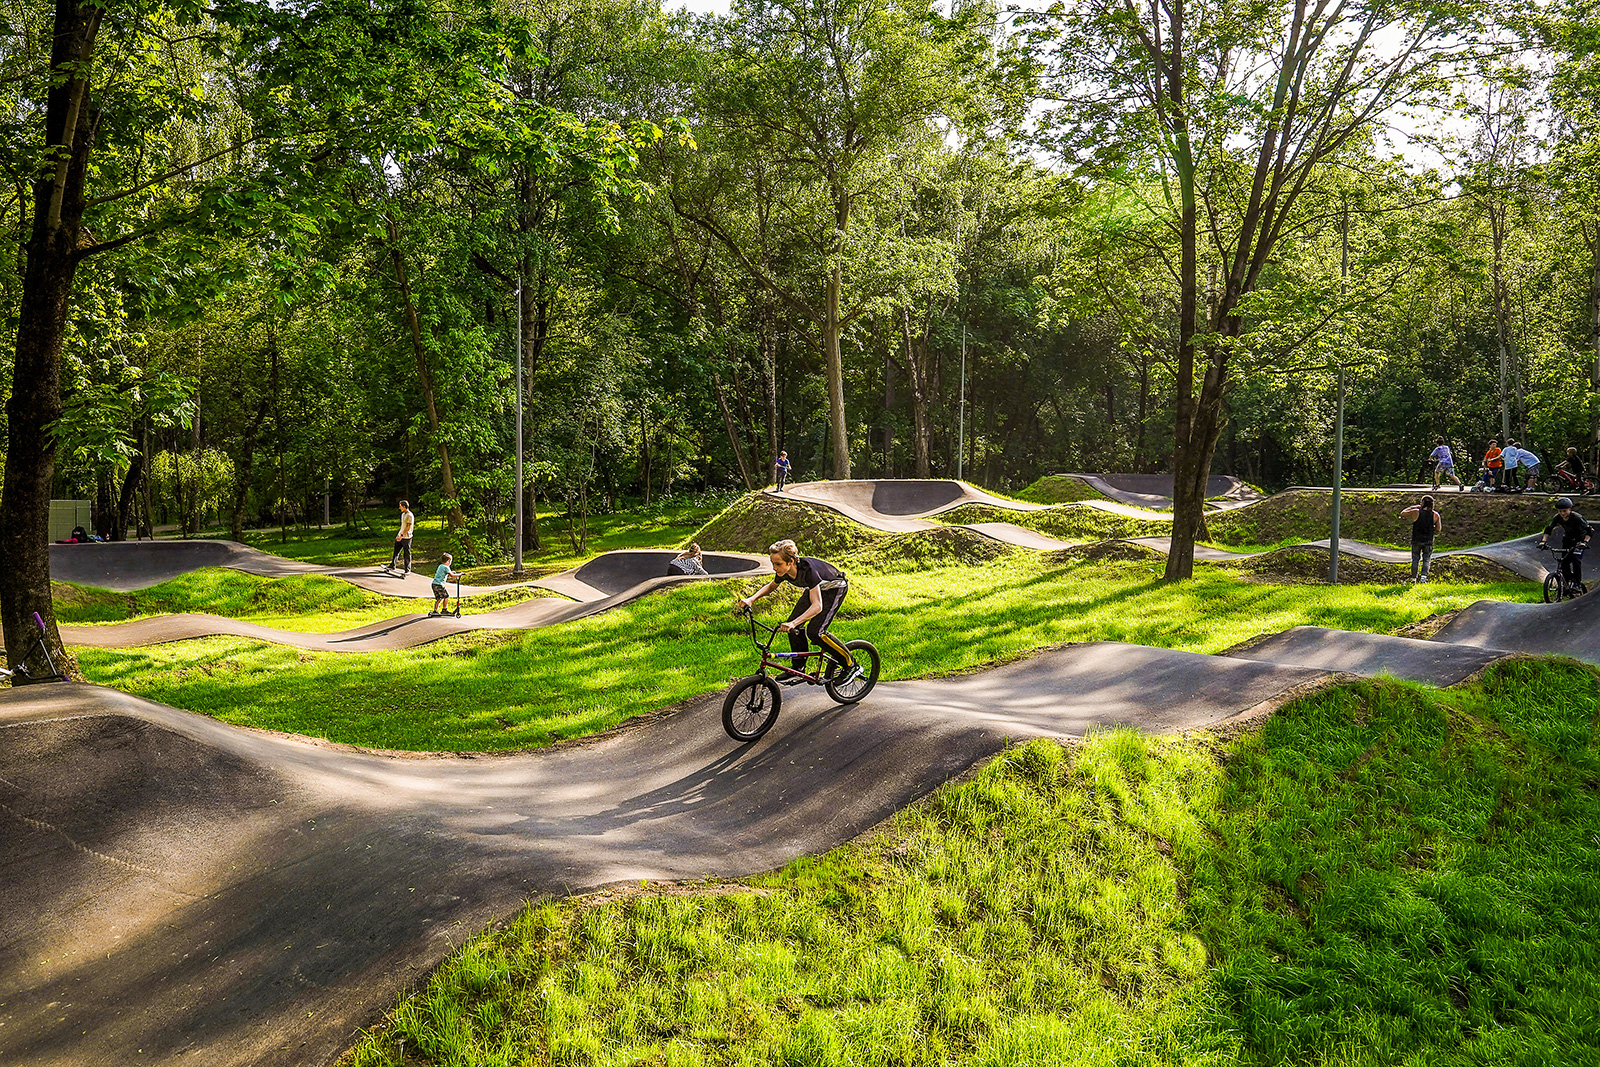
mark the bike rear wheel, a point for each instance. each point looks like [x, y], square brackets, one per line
[751, 707]
[866, 657]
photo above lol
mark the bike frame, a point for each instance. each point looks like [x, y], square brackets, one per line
[774, 660]
[39, 645]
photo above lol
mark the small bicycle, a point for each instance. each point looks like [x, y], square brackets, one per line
[751, 706]
[1556, 586]
[22, 675]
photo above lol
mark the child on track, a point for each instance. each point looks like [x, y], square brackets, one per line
[441, 595]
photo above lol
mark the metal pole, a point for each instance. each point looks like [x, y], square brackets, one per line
[516, 567]
[961, 406]
[1338, 483]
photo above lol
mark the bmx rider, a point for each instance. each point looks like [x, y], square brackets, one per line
[1575, 534]
[822, 588]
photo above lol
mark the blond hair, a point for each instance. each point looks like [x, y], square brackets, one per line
[784, 550]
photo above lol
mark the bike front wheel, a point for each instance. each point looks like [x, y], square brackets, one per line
[1552, 588]
[751, 707]
[866, 657]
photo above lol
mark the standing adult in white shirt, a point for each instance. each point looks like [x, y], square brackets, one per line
[402, 540]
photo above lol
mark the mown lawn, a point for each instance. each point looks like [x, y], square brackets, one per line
[499, 691]
[304, 603]
[653, 525]
[1381, 874]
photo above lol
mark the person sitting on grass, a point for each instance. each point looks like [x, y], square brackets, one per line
[822, 589]
[441, 595]
[689, 561]
[1575, 534]
[1425, 523]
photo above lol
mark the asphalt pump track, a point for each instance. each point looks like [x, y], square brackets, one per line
[907, 505]
[178, 890]
[603, 583]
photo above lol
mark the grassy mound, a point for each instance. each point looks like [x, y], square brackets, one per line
[307, 603]
[1058, 489]
[1108, 551]
[923, 549]
[1469, 518]
[1067, 522]
[1380, 874]
[756, 521]
[1301, 566]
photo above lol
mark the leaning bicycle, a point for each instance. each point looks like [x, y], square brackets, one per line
[24, 674]
[1557, 586]
[751, 706]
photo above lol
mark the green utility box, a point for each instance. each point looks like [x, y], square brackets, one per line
[66, 514]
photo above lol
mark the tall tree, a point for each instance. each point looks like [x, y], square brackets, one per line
[1241, 108]
[821, 103]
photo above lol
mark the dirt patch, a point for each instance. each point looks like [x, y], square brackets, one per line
[1426, 628]
[1373, 516]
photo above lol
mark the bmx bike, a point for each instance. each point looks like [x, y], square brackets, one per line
[23, 675]
[1557, 587]
[751, 706]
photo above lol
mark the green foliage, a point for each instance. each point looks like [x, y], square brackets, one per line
[191, 484]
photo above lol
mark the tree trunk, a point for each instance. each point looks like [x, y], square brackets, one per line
[733, 432]
[35, 403]
[128, 498]
[768, 341]
[1591, 237]
[916, 367]
[831, 331]
[247, 456]
[458, 521]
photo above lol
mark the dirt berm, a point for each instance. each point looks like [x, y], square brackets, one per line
[1373, 516]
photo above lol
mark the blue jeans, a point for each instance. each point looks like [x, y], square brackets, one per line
[1423, 555]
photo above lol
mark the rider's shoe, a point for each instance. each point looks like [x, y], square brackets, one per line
[851, 675]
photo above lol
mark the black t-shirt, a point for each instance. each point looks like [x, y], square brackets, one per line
[1422, 528]
[809, 572]
[1574, 528]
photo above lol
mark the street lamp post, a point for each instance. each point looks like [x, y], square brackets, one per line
[1338, 484]
[516, 568]
[961, 405]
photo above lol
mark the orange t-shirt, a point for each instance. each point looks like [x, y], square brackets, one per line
[1492, 460]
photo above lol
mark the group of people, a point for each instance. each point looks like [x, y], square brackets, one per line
[1426, 525]
[1509, 469]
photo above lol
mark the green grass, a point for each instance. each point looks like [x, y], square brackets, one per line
[1381, 874]
[498, 691]
[655, 525]
[303, 603]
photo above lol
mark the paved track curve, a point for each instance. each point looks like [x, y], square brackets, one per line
[184, 891]
[603, 583]
[132, 565]
[910, 502]
[1155, 490]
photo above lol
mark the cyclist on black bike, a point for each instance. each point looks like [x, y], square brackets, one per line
[1575, 534]
[823, 587]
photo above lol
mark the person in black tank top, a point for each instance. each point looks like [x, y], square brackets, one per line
[1425, 524]
[822, 589]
